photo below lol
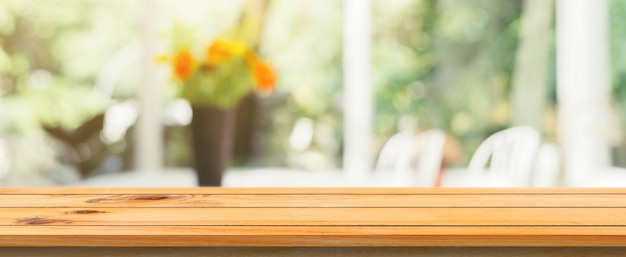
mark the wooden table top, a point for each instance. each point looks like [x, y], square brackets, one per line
[312, 217]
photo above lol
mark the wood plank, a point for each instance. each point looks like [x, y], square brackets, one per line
[314, 216]
[308, 191]
[310, 251]
[181, 230]
[308, 240]
[315, 237]
[308, 200]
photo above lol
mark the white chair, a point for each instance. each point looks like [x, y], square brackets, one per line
[409, 159]
[512, 153]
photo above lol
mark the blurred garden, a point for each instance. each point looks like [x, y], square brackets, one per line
[448, 64]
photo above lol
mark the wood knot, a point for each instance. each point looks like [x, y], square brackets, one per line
[84, 212]
[139, 198]
[41, 221]
[100, 200]
[150, 198]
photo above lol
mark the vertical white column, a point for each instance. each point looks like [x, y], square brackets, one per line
[530, 77]
[148, 131]
[358, 93]
[583, 87]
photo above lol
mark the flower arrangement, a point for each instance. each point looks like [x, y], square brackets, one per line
[220, 74]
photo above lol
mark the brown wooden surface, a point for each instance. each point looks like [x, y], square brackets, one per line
[312, 217]
[310, 251]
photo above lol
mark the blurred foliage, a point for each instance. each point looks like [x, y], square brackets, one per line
[617, 10]
[50, 55]
[618, 46]
[447, 63]
[304, 40]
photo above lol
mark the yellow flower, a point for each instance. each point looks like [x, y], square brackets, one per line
[221, 50]
[162, 58]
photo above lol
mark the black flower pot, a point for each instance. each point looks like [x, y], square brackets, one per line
[212, 131]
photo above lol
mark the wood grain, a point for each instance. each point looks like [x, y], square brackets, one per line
[308, 191]
[308, 200]
[310, 251]
[312, 217]
[315, 217]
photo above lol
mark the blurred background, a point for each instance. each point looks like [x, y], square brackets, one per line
[83, 101]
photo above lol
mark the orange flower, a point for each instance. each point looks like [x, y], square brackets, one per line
[222, 50]
[264, 76]
[183, 65]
